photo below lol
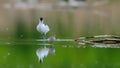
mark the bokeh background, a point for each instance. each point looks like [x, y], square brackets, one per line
[67, 19]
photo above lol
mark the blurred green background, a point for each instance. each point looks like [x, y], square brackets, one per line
[18, 21]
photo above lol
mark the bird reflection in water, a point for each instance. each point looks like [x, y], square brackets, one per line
[43, 52]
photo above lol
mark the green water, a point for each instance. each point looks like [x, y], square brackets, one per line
[67, 55]
[18, 36]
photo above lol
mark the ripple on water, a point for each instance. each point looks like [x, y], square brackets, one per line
[40, 42]
[106, 45]
[64, 46]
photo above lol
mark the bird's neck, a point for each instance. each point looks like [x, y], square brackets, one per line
[41, 22]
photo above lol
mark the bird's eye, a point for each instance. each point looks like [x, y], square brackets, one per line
[41, 19]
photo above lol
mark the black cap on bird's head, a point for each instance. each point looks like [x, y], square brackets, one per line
[41, 19]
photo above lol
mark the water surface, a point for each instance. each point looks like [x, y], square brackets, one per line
[68, 54]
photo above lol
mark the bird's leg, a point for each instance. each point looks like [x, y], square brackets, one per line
[44, 38]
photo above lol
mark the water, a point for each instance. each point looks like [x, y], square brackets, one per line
[68, 54]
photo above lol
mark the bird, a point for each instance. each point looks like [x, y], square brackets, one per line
[43, 28]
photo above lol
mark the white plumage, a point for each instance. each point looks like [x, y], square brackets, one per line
[42, 27]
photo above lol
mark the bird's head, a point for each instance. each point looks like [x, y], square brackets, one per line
[41, 18]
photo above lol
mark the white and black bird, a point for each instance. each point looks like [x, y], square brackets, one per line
[42, 27]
